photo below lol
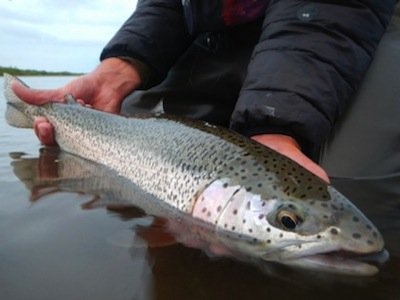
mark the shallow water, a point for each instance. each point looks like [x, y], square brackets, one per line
[56, 242]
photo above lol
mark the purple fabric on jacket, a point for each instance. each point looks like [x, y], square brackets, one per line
[242, 11]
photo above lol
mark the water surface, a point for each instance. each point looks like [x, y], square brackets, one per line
[57, 240]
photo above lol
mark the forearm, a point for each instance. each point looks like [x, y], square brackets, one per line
[117, 75]
[305, 70]
[155, 35]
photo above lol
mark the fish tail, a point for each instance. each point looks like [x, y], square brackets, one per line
[16, 108]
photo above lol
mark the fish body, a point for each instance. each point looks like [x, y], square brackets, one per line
[260, 203]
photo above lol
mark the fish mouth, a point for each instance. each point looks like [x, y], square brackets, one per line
[342, 262]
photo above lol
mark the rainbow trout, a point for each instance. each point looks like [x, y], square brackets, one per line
[260, 203]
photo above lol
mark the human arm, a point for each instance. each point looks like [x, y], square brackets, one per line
[156, 35]
[139, 55]
[304, 72]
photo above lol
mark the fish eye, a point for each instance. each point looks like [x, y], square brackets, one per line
[288, 219]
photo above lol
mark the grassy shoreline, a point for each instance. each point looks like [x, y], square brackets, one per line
[28, 72]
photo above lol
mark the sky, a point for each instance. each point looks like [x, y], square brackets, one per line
[58, 35]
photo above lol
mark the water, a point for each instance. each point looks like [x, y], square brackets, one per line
[55, 243]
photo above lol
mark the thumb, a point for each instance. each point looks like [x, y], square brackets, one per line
[37, 97]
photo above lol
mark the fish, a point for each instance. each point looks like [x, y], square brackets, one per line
[258, 202]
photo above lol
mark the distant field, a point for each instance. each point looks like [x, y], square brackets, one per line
[27, 72]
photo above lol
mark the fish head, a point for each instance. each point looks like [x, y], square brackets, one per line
[325, 231]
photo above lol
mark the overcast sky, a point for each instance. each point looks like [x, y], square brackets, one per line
[58, 35]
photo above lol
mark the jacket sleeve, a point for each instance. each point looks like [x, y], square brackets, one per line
[156, 35]
[309, 61]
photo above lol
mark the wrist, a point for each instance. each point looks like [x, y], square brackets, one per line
[118, 76]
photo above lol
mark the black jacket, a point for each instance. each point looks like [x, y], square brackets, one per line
[310, 58]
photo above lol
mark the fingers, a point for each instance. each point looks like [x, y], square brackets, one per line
[288, 147]
[37, 97]
[308, 164]
[44, 131]
[81, 102]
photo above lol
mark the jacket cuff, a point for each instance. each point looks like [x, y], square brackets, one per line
[291, 115]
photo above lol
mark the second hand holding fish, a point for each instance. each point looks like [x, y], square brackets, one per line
[107, 86]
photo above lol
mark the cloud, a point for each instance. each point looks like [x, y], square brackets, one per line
[58, 34]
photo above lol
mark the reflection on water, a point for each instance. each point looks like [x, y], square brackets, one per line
[81, 232]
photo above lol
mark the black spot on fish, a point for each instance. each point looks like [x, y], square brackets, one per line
[225, 185]
[219, 208]
[204, 210]
[235, 211]
[248, 188]
[375, 234]
[318, 236]
[269, 241]
[261, 216]
[355, 219]
[233, 228]
[250, 230]
[259, 185]
[369, 242]
[356, 235]
[281, 235]
[324, 205]
[368, 227]
[268, 229]
[244, 221]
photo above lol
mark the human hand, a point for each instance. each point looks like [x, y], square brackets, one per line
[103, 89]
[287, 146]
